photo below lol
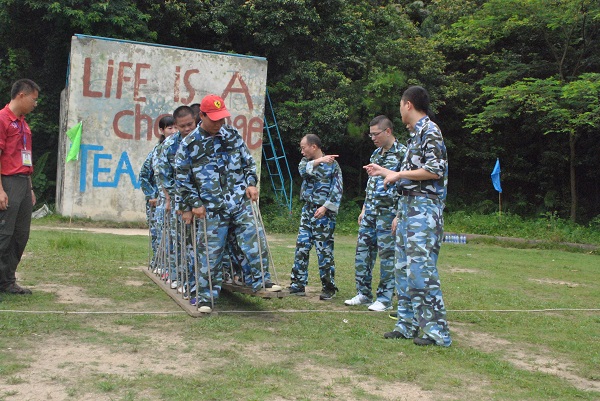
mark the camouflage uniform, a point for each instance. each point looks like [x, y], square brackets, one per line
[214, 172]
[166, 172]
[150, 189]
[321, 186]
[375, 230]
[419, 236]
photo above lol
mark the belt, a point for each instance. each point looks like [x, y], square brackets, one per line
[17, 175]
[415, 193]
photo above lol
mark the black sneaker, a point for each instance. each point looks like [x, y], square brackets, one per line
[326, 295]
[269, 286]
[298, 291]
[423, 341]
[15, 288]
[396, 334]
[393, 315]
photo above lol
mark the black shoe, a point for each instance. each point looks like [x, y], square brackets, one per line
[15, 288]
[326, 295]
[298, 291]
[396, 334]
[269, 286]
[423, 341]
[393, 315]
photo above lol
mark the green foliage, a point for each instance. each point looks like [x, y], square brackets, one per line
[482, 220]
[547, 227]
[39, 178]
[512, 69]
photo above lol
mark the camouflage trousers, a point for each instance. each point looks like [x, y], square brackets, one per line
[178, 248]
[154, 221]
[234, 261]
[317, 232]
[159, 247]
[418, 239]
[243, 227]
[375, 237]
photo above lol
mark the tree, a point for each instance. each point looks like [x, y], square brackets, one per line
[528, 52]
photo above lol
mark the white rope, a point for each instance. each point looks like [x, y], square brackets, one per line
[284, 311]
[271, 263]
[212, 299]
[260, 254]
[58, 312]
[150, 224]
[184, 268]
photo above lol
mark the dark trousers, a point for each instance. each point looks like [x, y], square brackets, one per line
[15, 223]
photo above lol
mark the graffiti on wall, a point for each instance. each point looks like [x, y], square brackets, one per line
[120, 91]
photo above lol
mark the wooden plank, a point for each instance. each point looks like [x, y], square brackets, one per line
[183, 303]
[248, 291]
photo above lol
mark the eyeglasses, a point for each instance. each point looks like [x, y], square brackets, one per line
[374, 134]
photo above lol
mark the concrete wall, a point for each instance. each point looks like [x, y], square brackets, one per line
[120, 90]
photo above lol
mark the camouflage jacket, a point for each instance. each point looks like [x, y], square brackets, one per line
[214, 171]
[166, 163]
[321, 185]
[156, 168]
[147, 177]
[377, 196]
[426, 149]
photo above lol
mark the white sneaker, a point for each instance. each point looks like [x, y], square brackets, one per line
[360, 299]
[378, 306]
[173, 285]
[205, 309]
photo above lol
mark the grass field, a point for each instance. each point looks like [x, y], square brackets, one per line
[525, 326]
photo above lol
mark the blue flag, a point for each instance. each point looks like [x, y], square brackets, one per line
[496, 176]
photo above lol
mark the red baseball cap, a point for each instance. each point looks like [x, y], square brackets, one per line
[214, 107]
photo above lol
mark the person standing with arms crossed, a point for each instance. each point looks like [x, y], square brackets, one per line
[422, 184]
[375, 222]
[322, 188]
[16, 192]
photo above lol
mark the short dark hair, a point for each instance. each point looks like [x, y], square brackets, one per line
[382, 122]
[313, 139]
[419, 98]
[183, 111]
[196, 109]
[24, 85]
[166, 121]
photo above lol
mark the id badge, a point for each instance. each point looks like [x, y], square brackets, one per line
[26, 156]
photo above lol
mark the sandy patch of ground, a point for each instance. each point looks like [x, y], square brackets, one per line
[555, 282]
[100, 230]
[525, 356]
[59, 365]
[71, 295]
[343, 383]
[460, 270]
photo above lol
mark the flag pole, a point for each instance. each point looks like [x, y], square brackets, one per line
[500, 205]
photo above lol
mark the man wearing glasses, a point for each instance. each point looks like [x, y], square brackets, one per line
[375, 222]
[16, 193]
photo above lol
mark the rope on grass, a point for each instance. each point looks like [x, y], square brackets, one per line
[64, 312]
[54, 312]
